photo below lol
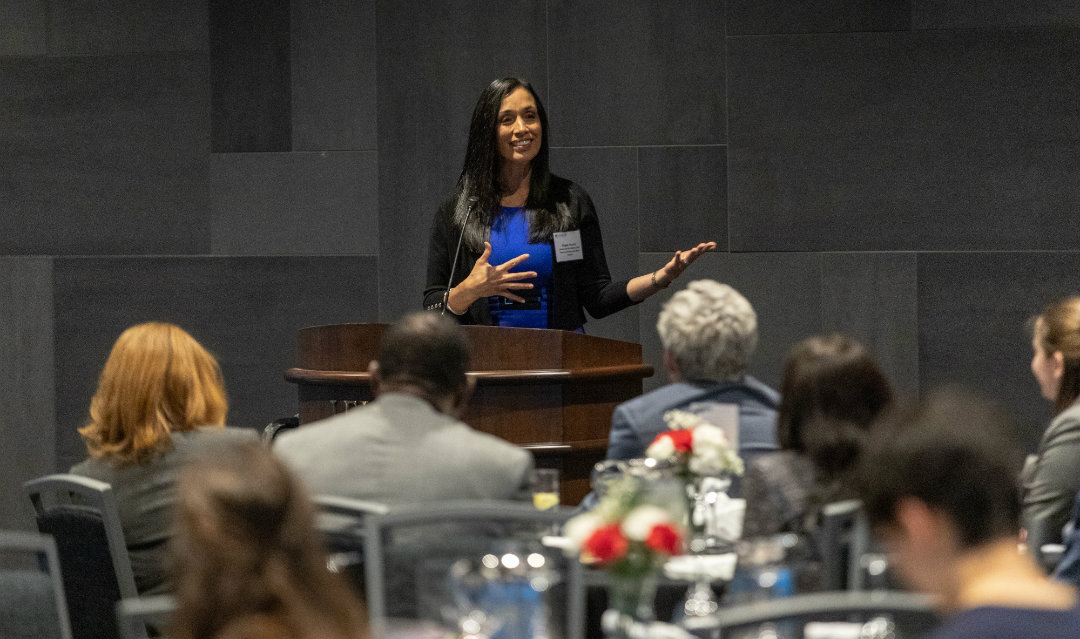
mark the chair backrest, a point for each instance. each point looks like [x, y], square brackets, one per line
[140, 617]
[32, 604]
[81, 515]
[341, 520]
[420, 558]
[843, 538]
[906, 614]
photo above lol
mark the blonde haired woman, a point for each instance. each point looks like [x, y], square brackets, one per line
[160, 401]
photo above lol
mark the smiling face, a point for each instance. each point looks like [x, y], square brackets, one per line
[519, 132]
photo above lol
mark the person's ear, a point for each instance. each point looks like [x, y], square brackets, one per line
[918, 522]
[465, 394]
[671, 367]
[1059, 364]
[374, 371]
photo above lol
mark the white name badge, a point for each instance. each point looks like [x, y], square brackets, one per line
[568, 246]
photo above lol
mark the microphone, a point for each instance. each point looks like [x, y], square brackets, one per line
[453, 265]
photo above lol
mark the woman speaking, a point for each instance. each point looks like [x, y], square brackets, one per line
[516, 245]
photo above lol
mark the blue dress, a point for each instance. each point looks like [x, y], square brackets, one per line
[509, 239]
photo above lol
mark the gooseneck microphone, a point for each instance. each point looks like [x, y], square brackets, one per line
[453, 265]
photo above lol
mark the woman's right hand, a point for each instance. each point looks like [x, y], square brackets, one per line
[486, 280]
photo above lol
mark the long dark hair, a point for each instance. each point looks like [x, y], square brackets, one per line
[1058, 330]
[480, 173]
[832, 390]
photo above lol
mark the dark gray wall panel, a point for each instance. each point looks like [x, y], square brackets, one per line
[430, 73]
[784, 289]
[753, 17]
[609, 176]
[874, 298]
[973, 310]
[27, 415]
[24, 27]
[103, 154]
[968, 14]
[125, 26]
[931, 141]
[333, 75]
[244, 310]
[637, 73]
[683, 196]
[250, 76]
[294, 203]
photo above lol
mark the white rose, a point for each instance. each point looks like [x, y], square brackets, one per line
[579, 527]
[641, 520]
[662, 448]
[680, 419]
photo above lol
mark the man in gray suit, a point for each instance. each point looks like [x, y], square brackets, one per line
[408, 445]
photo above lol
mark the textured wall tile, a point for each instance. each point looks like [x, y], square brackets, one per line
[24, 27]
[431, 72]
[126, 26]
[637, 73]
[333, 75]
[931, 141]
[27, 415]
[784, 289]
[973, 14]
[973, 310]
[294, 203]
[103, 154]
[683, 196]
[756, 17]
[250, 76]
[244, 310]
[873, 297]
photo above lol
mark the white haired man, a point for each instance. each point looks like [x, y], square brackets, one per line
[709, 332]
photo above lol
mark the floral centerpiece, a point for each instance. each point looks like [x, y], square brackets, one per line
[630, 535]
[702, 455]
[696, 447]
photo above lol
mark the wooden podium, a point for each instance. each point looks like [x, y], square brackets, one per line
[549, 391]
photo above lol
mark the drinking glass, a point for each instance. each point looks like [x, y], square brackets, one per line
[545, 488]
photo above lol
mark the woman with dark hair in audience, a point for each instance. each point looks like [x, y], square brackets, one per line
[1052, 480]
[831, 392]
[246, 558]
[530, 251]
[160, 400]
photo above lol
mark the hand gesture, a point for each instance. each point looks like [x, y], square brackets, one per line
[486, 280]
[682, 259]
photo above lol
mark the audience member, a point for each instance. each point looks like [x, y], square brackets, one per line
[708, 332]
[1052, 481]
[159, 402]
[408, 445]
[830, 393]
[245, 556]
[939, 487]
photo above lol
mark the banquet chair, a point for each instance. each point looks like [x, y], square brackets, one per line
[81, 515]
[32, 604]
[141, 617]
[423, 562]
[341, 521]
[876, 613]
[843, 539]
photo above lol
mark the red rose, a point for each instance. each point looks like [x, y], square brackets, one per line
[606, 544]
[664, 538]
[682, 440]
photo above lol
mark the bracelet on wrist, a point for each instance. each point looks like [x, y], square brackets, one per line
[446, 303]
[658, 284]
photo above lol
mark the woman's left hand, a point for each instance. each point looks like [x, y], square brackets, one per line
[680, 261]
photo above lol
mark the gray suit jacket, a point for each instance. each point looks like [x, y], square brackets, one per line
[1052, 482]
[145, 495]
[399, 449]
